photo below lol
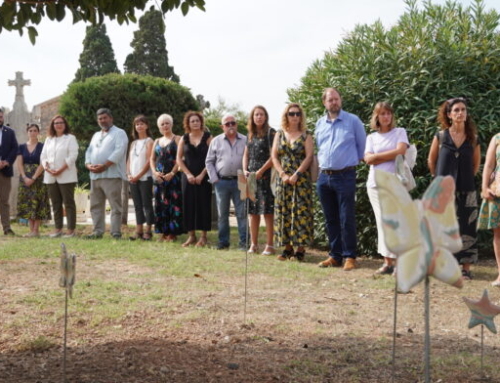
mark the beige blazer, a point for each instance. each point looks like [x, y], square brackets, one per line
[56, 152]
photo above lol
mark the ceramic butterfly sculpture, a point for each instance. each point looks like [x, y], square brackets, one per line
[424, 233]
[67, 268]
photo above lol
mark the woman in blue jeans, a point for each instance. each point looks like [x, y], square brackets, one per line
[139, 177]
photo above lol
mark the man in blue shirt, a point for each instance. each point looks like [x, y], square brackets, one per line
[8, 154]
[105, 159]
[340, 137]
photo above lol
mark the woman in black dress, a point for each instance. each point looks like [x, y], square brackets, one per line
[455, 151]
[196, 190]
[257, 159]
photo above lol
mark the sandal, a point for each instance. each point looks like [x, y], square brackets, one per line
[147, 236]
[202, 242]
[136, 237]
[299, 256]
[385, 270]
[286, 254]
[190, 241]
[253, 249]
[269, 250]
[466, 275]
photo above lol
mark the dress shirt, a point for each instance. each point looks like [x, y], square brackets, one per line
[111, 146]
[56, 152]
[341, 142]
[224, 159]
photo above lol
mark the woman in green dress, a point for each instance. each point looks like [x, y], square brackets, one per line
[292, 154]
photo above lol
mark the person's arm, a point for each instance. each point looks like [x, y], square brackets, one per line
[182, 165]
[477, 158]
[388, 155]
[276, 160]
[360, 135]
[129, 173]
[306, 163]
[433, 155]
[244, 162]
[157, 176]
[12, 154]
[488, 169]
[200, 177]
[210, 163]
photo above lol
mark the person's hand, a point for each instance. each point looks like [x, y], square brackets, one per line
[28, 181]
[293, 179]
[285, 178]
[258, 174]
[246, 173]
[167, 177]
[199, 178]
[487, 194]
[191, 179]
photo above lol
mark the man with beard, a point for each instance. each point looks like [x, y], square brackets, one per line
[8, 154]
[223, 161]
[105, 159]
[341, 139]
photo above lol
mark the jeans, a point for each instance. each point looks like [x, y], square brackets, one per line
[337, 195]
[225, 191]
[142, 195]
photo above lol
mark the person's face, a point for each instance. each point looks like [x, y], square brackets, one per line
[194, 123]
[385, 118]
[259, 117]
[458, 113]
[59, 126]
[165, 126]
[229, 126]
[140, 127]
[294, 115]
[33, 132]
[105, 121]
[332, 102]
[1, 118]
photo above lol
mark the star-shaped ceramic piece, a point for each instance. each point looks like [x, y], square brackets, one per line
[482, 312]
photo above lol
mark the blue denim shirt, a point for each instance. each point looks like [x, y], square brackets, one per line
[341, 143]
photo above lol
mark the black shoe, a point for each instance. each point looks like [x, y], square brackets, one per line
[299, 256]
[222, 247]
[116, 236]
[92, 236]
[9, 232]
[466, 275]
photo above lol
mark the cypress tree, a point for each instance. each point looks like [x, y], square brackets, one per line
[97, 57]
[150, 56]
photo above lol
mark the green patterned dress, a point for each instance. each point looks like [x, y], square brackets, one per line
[489, 214]
[293, 208]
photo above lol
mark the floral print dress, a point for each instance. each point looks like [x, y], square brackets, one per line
[293, 207]
[489, 214]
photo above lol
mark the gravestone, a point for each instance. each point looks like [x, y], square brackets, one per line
[17, 119]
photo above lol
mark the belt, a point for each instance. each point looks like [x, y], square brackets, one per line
[330, 172]
[229, 178]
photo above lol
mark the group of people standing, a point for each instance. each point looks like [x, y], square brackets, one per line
[179, 172]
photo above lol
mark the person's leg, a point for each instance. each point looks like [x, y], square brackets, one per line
[5, 187]
[240, 208]
[254, 232]
[57, 205]
[146, 189]
[223, 198]
[135, 191]
[36, 227]
[97, 206]
[345, 187]
[496, 248]
[269, 221]
[113, 192]
[328, 198]
[68, 199]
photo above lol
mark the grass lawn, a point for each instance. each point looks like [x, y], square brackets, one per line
[157, 312]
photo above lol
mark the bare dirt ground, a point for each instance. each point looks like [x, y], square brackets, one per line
[314, 325]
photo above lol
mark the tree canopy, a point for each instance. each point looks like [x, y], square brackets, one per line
[97, 57]
[431, 54]
[23, 15]
[150, 56]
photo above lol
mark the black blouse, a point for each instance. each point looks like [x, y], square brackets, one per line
[30, 157]
[456, 162]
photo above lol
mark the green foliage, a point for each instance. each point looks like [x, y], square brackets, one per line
[21, 15]
[150, 56]
[97, 57]
[127, 96]
[429, 56]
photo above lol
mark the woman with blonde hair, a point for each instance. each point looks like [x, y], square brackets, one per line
[196, 190]
[292, 153]
[455, 151]
[257, 159]
[382, 147]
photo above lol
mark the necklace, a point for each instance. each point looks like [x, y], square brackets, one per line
[138, 152]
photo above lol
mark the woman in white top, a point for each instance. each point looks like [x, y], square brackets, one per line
[58, 159]
[139, 177]
[382, 147]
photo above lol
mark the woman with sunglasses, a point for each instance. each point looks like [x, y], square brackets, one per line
[257, 159]
[58, 158]
[292, 153]
[455, 151]
[33, 198]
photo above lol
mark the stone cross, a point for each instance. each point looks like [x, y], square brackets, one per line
[19, 83]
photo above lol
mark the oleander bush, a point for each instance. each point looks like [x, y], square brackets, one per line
[433, 53]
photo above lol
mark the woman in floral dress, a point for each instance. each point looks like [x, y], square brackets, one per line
[257, 159]
[167, 182]
[292, 154]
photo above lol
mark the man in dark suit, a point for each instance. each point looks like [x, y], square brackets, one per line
[8, 154]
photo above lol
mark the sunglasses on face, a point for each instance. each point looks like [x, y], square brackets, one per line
[292, 114]
[230, 123]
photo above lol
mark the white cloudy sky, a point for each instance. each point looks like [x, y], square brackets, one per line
[247, 52]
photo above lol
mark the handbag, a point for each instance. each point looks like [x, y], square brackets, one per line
[404, 174]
